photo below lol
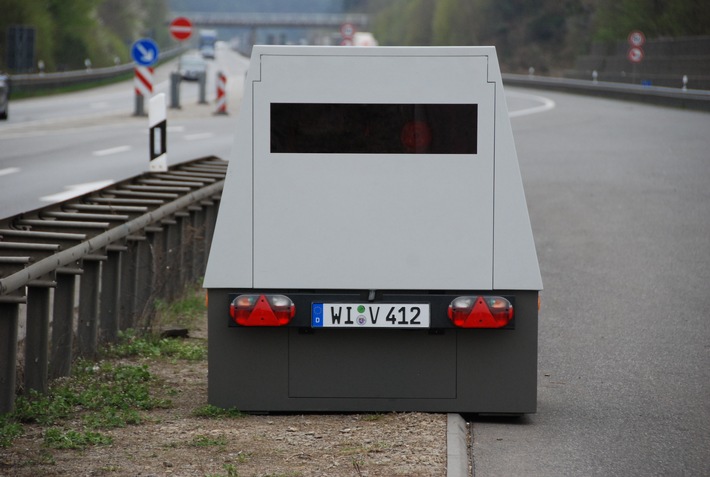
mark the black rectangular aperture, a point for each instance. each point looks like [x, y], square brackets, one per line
[350, 128]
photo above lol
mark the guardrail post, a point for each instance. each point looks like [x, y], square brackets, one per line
[204, 230]
[145, 277]
[63, 324]
[171, 244]
[195, 239]
[127, 305]
[210, 221]
[175, 79]
[9, 313]
[198, 257]
[202, 80]
[89, 307]
[110, 293]
[37, 339]
[182, 257]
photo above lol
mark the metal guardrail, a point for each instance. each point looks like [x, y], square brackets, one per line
[127, 245]
[39, 81]
[676, 97]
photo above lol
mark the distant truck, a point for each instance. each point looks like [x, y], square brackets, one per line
[373, 249]
[207, 43]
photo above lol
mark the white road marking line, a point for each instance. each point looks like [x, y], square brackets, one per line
[547, 104]
[76, 190]
[198, 136]
[112, 150]
[176, 128]
[9, 170]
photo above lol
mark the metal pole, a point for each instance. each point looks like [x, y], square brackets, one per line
[145, 273]
[63, 325]
[88, 308]
[175, 79]
[202, 80]
[37, 339]
[110, 293]
[127, 304]
[140, 108]
[8, 343]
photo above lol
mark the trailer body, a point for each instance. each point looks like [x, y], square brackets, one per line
[373, 250]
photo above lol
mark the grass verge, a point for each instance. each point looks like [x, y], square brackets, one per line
[107, 394]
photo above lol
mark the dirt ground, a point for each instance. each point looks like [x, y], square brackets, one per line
[173, 442]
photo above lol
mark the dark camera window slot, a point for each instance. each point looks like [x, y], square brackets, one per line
[334, 128]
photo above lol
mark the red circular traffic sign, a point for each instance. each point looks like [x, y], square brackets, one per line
[181, 28]
[635, 54]
[347, 31]
[637, 38]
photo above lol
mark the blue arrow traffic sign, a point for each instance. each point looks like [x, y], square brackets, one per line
[144, 52]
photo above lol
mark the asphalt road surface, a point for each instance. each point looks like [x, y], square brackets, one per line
[619, 200]
[57, 147]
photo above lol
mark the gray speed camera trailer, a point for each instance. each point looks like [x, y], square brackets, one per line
[373, 250]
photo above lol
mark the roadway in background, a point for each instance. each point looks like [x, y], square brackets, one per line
[56, 147]
[619, 201]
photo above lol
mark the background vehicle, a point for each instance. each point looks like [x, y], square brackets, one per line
[208, 38]
[191, 66]
[207, 52]
[4, 95]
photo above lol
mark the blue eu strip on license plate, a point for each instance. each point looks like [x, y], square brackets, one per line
[370, 315]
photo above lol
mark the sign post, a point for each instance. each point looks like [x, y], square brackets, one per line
[145, 54]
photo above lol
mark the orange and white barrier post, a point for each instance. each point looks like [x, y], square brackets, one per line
[221, 93]
[143, 85]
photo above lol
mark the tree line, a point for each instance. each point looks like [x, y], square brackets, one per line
[68, 32]
[549, 34]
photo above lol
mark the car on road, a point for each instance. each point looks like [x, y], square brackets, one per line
[4, 95]
[207, 52]
[191, 67]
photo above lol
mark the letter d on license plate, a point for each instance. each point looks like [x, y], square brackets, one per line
[370, 315]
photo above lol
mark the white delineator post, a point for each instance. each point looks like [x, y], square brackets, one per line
[221, 93]
[143, 86]
[158, 123]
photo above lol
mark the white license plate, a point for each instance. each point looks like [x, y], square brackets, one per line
[370, 315]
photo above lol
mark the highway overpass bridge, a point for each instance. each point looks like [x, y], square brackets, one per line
[275, 20]
[256, 21]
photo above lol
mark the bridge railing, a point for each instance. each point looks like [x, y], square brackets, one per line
[264, 20]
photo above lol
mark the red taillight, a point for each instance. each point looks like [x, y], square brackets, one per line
[480, 311]
[262, 310]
